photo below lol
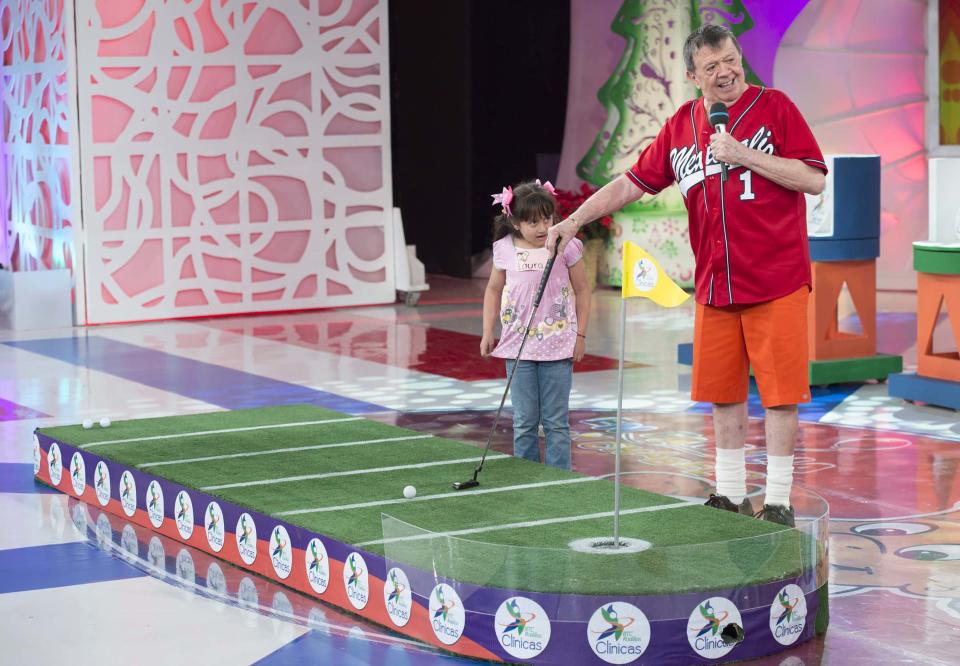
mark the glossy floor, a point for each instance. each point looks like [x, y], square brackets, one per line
[890, 470]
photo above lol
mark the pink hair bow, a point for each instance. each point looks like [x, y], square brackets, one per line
[504, 199]
[548, 187]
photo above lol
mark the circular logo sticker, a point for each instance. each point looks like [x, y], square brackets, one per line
[213, 525]
[397, 597]
[317, 618]
[522, 627]
[216, 581]
[447, 616]
[186, 569]
[645, 275]
[154, 500]
[706, 624]
[129, 543]
[104, 531]
[156, 555]
[247, 593]
[81, 519]
[54, 464]
[127, 488]
[356, 581]
[78, 474]
[788, 615]
[36, 455]
[183, 514]
[246, 538]
[101, 482]
[618, 632]
[318, 566]
[281, 604]
[281, 551]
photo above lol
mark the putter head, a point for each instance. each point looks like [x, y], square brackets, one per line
[465, 485]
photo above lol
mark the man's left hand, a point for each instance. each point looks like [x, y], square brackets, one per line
[727, 149]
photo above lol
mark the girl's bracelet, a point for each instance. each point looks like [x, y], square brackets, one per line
[581, 335]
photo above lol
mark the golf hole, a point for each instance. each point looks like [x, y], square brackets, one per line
[605, 546]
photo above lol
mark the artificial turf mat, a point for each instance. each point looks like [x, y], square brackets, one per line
[295, 470]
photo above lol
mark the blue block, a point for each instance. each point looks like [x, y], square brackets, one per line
[911, 386]
[849, 206]
[828, 249]
[685, 353]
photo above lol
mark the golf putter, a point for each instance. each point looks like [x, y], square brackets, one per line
[473, 483]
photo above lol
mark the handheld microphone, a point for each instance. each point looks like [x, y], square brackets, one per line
[719, 117]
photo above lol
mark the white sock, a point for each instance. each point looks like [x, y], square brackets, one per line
[731, 474]
[779, 480]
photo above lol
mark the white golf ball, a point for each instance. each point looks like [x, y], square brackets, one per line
[409, 492]
[87, 424]
[105, 422]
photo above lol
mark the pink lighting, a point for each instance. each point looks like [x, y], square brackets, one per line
[856, 70]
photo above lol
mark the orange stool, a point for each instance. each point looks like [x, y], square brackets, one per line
[826, 340]
[935, 289]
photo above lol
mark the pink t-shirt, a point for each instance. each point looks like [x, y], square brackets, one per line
[554, 330]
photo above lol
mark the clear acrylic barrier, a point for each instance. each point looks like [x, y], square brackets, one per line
[798, 555]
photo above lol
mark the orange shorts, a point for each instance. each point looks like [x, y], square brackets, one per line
[771, 337]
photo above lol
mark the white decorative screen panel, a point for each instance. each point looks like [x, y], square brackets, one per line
[37, 224]
[944, 176]
[235, 156]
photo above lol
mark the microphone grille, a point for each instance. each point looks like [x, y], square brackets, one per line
[719, 114]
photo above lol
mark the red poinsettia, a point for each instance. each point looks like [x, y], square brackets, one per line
[569, 200]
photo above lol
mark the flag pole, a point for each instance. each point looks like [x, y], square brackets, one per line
[616, 468]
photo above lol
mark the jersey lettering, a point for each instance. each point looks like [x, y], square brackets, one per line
[686, 161]
[747, 178]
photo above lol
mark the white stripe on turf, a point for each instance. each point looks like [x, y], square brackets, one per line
[529, 523]
[287, 450]
[218, 432]
[350, 472]
[447, 495]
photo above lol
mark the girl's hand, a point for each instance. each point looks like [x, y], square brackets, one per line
[487, 344]
[579, 349]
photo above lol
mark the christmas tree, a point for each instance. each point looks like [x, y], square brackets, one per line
[649, 82]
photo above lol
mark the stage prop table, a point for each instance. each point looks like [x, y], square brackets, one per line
[521, 569]
[937, 380]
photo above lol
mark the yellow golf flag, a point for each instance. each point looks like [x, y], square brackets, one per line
[642, 276]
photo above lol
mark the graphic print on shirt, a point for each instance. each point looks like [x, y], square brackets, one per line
[686, 161]
[556, 319]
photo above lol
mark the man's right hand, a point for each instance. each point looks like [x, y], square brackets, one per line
[560, 234]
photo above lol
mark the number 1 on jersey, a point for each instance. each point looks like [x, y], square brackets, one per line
[746, 177]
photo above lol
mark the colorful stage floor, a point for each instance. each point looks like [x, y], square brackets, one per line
[890, 470]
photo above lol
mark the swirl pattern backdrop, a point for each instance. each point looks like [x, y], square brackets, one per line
[235, 156]
[38, 224]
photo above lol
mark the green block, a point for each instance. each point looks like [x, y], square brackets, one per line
[848, 370]
[936, 258]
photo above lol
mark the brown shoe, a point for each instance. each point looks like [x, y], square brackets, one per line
[777, 513]
[723, 502]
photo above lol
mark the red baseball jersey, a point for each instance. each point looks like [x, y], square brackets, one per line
[749, 234]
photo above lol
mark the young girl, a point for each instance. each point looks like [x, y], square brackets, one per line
[540, 392]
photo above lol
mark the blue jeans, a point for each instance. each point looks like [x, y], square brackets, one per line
[540, 394]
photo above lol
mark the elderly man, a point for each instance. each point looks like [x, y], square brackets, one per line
[743, 186]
